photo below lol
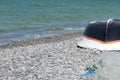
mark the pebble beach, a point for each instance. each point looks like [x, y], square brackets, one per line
[53, 58]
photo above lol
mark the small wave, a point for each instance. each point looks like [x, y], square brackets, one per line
[55, 29]
[1, 30]
[74, 28]
[61, 28]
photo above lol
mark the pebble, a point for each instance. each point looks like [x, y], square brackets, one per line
[51, 61]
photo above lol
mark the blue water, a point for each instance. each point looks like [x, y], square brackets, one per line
[27, 16]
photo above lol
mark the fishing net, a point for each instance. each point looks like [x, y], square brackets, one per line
[108, 67]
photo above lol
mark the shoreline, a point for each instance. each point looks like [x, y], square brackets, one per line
[42, 40]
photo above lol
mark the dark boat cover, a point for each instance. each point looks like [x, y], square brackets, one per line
[104, 31]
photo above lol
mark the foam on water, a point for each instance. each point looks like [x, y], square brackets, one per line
[34, 34]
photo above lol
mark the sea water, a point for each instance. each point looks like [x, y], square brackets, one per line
[21, 19]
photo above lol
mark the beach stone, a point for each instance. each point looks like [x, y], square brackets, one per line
[49, 61]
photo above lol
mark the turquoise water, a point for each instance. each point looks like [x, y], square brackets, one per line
[48, 15]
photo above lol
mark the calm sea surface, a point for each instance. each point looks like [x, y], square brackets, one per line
[21, 19]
